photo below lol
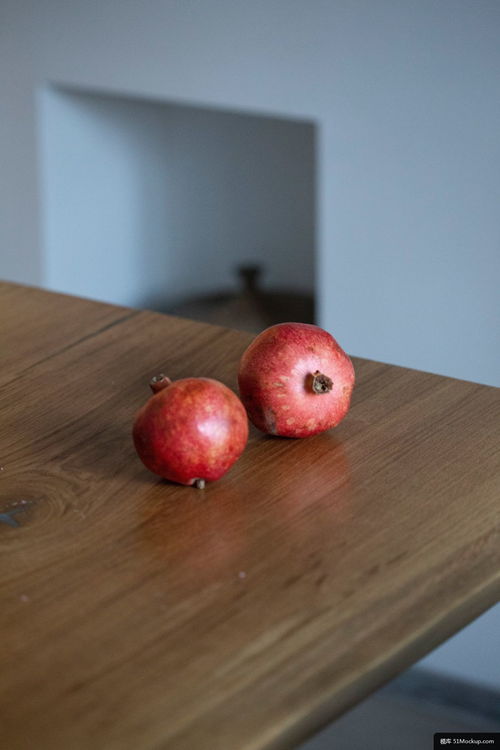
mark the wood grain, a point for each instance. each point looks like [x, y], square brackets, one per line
[138, 614]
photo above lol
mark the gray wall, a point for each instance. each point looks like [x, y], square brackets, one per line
[405, 95]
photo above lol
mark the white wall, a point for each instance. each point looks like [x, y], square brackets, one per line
[411, 190]
[406, 98]
[146, 203]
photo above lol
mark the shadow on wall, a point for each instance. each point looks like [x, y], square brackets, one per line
[150, 204]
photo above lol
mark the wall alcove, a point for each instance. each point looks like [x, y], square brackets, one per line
[151, 203]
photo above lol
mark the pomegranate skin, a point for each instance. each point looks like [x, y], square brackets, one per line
[193, 429]
[295, 380]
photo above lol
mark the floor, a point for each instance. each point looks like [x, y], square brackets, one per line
[406, 714]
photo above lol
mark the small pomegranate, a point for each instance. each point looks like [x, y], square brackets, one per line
[191, 430]
[295, 380]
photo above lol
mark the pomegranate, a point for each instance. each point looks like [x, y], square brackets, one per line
[295, 380]
[190, 430]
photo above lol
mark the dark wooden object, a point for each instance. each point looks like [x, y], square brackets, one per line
[252, 308]
[138, 614]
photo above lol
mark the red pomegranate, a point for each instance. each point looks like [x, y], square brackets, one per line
[295, 380]
[191, 430]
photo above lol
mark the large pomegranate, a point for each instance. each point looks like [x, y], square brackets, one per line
[295, 380]
[190, 430]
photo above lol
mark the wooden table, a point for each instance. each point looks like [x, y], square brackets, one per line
[137, 614]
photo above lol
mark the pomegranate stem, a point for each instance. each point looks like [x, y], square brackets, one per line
[321, 383]
[199, 484]
[159, 382]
